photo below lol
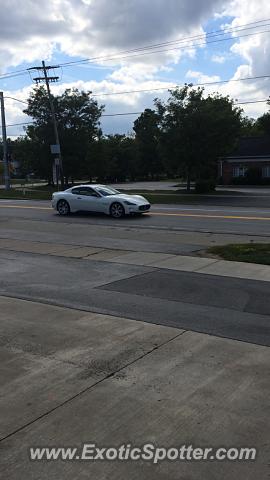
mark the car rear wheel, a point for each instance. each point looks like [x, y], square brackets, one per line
[63, 207]
[117, 210]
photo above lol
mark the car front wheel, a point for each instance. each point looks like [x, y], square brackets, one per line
[63, 207]
[117, 210]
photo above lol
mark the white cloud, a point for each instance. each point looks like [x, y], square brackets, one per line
[97, 27]
[202, 78]
[94, 28]
[129, 102]
[254, 51]
[218, 59]
[134, 73]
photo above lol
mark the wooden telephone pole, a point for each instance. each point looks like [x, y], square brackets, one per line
[55, 148]
[5, 148]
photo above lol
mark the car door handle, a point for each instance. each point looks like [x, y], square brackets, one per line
[79, 198]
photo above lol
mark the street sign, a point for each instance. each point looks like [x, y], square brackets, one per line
[55, 149]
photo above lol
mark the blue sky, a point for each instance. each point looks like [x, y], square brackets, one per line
[70, 30]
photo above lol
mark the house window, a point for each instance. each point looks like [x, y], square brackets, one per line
[239, 171]
[266, 171]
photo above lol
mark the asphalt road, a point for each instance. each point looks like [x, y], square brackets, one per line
[214, 218]
[225, 307]
[233, 308]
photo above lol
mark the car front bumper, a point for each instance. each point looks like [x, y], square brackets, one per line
[138, 208]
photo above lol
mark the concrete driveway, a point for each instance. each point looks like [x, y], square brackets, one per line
[71, 377]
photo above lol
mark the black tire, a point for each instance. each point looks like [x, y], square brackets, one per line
[117, 210]
[63, 207]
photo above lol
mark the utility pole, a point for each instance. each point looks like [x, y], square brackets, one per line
[54, 148]
[5, 148]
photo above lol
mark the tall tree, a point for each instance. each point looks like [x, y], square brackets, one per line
[78, 122]
[147, 130]
[27, 152]
[196, 130]
[249, 127]
[113, 158]
[263, 124]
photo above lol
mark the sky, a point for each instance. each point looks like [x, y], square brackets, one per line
[131, 45]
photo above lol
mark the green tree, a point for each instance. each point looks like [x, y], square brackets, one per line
[131, 154]
[249, 127]
[113, 158]
[196, 130]
[147, 130]
[117, 167]
[78, 122]
[263, 124]
[27, 153]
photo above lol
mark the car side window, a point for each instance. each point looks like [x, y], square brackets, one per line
[89, 192]
[75, 191]
[86, 191]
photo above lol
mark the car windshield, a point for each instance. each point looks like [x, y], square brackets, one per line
[106, 191]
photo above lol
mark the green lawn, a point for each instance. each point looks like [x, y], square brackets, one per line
[177, 196]
[250, 252]
[28, 195]
[44, 192]
[166, 198]
[22, 181]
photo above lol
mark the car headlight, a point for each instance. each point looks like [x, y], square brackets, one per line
[129, 203]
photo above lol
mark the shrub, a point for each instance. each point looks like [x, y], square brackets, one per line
[240, 181]
[205, 186]
[254, 176]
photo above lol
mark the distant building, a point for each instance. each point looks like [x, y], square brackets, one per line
[250, 160]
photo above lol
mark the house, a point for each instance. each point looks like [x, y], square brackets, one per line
[248, 163]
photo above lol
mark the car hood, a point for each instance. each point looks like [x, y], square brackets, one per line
[138, 199]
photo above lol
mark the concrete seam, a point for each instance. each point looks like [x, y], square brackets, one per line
[87, 389]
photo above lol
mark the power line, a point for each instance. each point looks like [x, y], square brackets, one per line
[185, 39]
[16, 73]
[252, 101]
[139, 113]
[120, 114]
[185, 47]
[202, 84]
[17, 100]
[214, 33]
[16, 135]
[243, 27]
[19, 124]
[258, 77]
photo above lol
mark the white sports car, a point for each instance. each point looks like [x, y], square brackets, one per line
[98, 198]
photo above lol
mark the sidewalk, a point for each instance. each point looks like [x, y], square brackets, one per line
[69, 377]
[203, 265]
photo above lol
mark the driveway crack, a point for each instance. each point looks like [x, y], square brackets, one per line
[91, 387]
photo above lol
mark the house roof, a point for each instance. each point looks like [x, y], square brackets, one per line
[252, 147]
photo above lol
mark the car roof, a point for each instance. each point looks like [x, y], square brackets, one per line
[92, 185]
